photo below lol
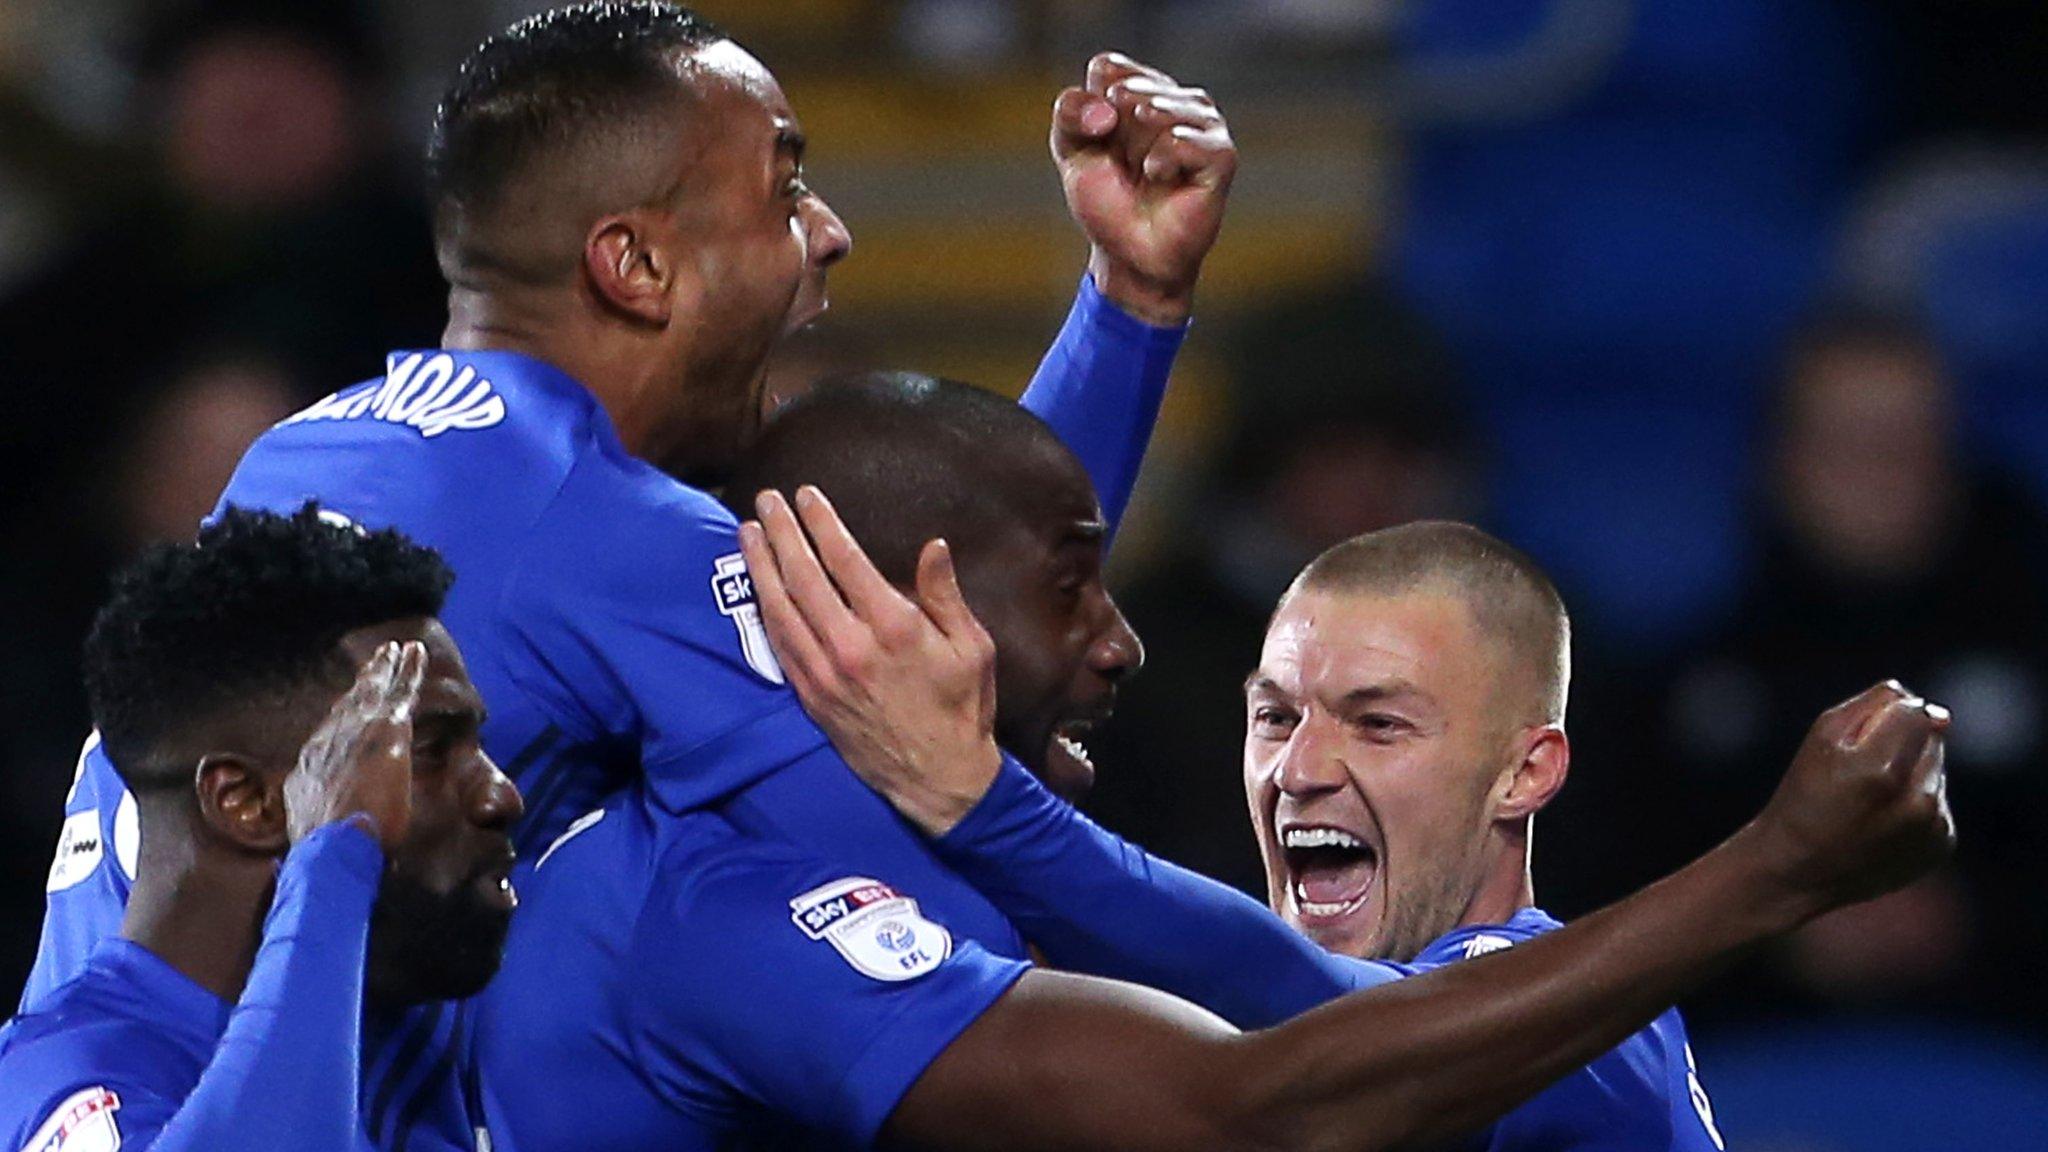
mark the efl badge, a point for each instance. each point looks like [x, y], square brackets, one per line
[82, 1123]
[876, 928]
[733, 589]
[79, 850]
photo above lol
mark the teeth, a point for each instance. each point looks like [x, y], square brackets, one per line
[1071, 746]
[1319, 838]
[1313, 908]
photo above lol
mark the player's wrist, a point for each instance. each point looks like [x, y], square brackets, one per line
[1161, 303]
[1776, 891]
[944, 802]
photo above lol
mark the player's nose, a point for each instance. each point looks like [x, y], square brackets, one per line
[831, 240]
[1309, 763]
[1117, 651]
[498, 804]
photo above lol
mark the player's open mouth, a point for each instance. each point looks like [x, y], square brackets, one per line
[1329, 871]
[1068, 742]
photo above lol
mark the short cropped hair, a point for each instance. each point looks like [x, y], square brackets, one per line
[1511, 598]
[906, 457]
[549, 84]
[253, 610]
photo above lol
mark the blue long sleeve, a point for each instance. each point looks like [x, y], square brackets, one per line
[286, 1072]
[1100, 387]
[1095, 903]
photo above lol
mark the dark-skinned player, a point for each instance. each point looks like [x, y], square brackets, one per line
[616, 281]
[627, 233]
[1406, 726]
[316, 857]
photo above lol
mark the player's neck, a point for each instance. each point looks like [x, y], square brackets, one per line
[623, 380]
[1506, 889]
[199, 913]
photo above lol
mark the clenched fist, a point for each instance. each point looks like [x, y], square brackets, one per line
[1146, 164]
[1864, 808]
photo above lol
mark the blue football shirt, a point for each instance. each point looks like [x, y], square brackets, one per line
[1643, 1094]
[1096, 903]
[130, 1053]
[608, 622]
[691, 984]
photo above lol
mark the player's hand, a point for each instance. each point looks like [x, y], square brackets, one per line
[1146, 164]
[1864, 808]
[358, 764]
[906, 689]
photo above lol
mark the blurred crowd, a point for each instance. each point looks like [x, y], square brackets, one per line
[1730, 311]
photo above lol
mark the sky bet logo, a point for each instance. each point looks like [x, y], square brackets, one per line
[732, 589]
[875, 929]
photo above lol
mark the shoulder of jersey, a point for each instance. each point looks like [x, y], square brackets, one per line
[452, 400]
[76, 1039]
[494, 426]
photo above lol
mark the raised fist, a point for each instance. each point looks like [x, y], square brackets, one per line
[1146, 164]
[1864, 808]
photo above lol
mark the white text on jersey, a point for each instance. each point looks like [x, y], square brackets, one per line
[424, 391]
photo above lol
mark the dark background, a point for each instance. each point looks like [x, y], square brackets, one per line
[1733, 312]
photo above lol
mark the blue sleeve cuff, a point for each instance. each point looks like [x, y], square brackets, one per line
[343, 850]
[1014, 805]
[1092, 305]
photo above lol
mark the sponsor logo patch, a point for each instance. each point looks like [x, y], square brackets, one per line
[733, 590]
[82, 1123]
[80, 847]
[875, 928]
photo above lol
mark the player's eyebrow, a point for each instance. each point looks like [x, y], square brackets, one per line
[459, 712]
[1260, 682]
[791, 140]
[1396, 689]
[1087, 531]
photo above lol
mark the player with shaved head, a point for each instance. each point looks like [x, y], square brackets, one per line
[1441, 657]
[747, 942]
[918, 458]
[1406, 723]
[623, 215]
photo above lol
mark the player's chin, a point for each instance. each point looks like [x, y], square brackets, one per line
[807, 309]
[428, 945]
[475, 949]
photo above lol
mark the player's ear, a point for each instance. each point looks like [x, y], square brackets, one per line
[630, 266]
[242, 803]
[1546, 757]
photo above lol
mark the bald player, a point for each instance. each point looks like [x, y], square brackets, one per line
[623, 216]
[918, 457]
[1453, 734]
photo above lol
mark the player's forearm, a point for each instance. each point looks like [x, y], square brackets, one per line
[1100, 387]
[284, 1075]
[1094, 903]
[1441, 1054]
